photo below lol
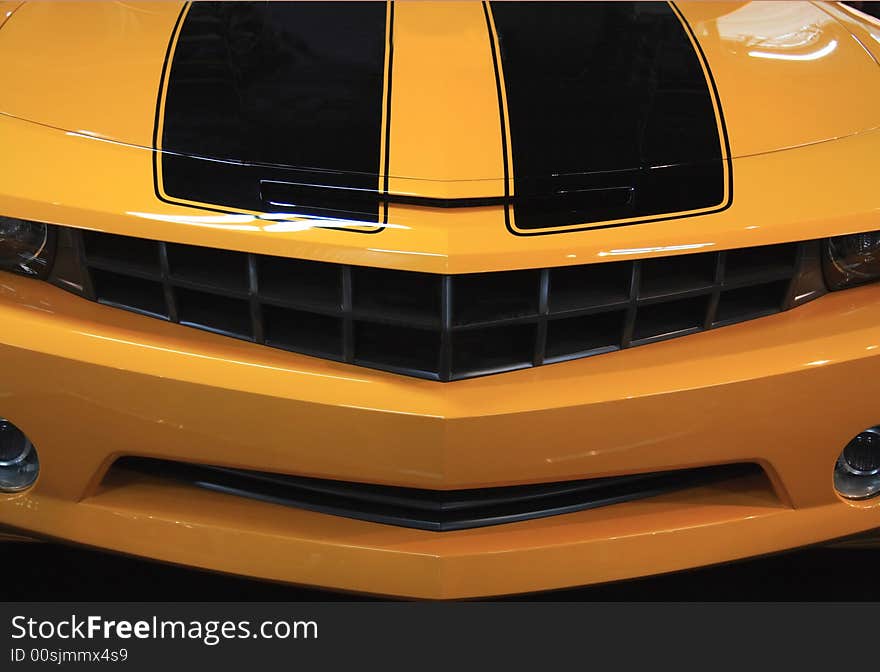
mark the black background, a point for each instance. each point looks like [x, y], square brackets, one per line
[48, 572]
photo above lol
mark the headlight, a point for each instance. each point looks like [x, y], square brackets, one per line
[852, 260]
[25, 247]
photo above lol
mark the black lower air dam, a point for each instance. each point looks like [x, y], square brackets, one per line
[434, 510]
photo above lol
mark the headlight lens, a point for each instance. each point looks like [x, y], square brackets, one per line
[852, 260]
[25, 247]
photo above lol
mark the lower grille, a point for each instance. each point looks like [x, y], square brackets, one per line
[434, 510]
[440, 327]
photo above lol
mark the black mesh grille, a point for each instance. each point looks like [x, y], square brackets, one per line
[440, 327]
[435, 510]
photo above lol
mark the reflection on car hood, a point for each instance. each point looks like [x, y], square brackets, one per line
[583, 111]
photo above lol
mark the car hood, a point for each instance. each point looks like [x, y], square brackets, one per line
[620, 104]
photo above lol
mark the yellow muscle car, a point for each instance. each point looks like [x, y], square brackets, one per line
[439, 299]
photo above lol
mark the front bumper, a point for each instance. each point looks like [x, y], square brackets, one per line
[89, 384]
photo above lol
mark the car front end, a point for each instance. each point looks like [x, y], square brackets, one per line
[456, 358]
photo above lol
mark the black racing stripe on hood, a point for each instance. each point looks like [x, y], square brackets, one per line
[610, 115]
[264, 102]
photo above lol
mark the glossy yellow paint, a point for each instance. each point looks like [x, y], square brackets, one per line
[788, 73]
[95, 184]
[161, 390]
[88, 67]
[443, 67]
[864, 28]
[829, 188]
[6, 10]
[89, 383]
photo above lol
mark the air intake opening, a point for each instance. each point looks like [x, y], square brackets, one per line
[435, 510]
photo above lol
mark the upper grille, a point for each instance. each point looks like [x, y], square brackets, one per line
[440, 327]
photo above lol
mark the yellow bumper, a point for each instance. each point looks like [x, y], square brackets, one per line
[89, 384]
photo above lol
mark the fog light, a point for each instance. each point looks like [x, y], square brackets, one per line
[19, 464]
[857, 472]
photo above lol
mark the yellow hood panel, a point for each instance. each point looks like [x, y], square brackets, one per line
[94, 70]
[788, 74]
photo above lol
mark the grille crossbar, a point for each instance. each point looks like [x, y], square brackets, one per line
[439, 327]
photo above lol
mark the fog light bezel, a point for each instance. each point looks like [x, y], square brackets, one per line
[21, 472]
[854, 484]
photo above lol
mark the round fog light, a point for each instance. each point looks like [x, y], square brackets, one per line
[19, 464]
[857, 471]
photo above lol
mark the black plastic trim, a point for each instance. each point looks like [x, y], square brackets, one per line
[443, 327]
[434, 510]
